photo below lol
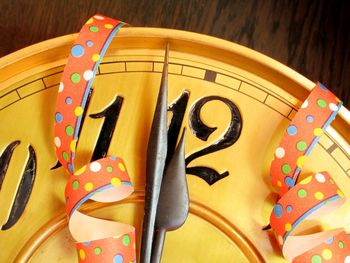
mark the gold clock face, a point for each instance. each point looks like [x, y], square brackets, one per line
[213, 84]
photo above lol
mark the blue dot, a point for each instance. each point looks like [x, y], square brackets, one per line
[68, 100]
[58, 117]
[70, 168]
[289, 181]
[289, 208]
[278, 210]
[292, 130]
[113, 158]
[118, 259]
[89, 43]
[309, 118]
[322, 87]
[86, 243]
[329, 240]
[77, 51]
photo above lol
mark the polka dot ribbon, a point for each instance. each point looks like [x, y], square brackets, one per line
[300, 204]
[104, 180]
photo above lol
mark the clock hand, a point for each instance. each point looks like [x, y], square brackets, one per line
[156, 155]
[173, 205]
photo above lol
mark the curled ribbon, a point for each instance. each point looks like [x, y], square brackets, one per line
[104, 180]
[312, 197]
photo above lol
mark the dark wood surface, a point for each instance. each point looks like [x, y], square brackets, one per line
[310, 36]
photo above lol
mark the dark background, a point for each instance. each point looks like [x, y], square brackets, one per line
[310, 36]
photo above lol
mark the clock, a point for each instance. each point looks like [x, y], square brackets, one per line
[214, 85]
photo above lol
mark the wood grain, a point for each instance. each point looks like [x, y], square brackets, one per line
[312, 37]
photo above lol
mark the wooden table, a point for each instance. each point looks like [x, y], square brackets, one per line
[312, 37]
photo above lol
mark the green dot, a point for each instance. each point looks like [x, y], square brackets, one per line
[126, 240]
[301, 145]
[69, 130]
[93, 28]
[75, 184]
[316, 259]
[302, 193]
[75, 77]
[286, 169]
[98, 251]
[340, 244]
[109, 168]
[322, 103]
[65, 156]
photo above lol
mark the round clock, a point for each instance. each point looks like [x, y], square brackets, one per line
[211, 82]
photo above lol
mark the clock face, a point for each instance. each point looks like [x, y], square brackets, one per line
[214, 87]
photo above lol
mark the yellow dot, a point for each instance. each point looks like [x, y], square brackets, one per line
[73, 144]
[90, 21]
[78, 111]
[82, 254]
[318, 132]
[80, 171]
[288, 227]
[89, 186]
[340, 193]
[116, 181]
[121, 167]
[95, 57]
[306, 180]
[301, 160]
[109, 26]
[327, 254]
[319, 195]
[279, 183]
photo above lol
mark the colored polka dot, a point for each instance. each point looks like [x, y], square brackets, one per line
[109, 169]
[301, 160]
[288, 227]
[126, 240]
[305, 104]
[280, 239]
[333, 107]
[320, 178]
[278, 210]
[322, 103]
[95, 57]
[319, 195]
[95, 167]
[118, 259]
[73, 145]
[75, 78]
[289, 208]
[116, 181]
[316, 259]
[318, 132]
[329, 240]
[80, 171]
[340, 244]
[286, 169]
[327, 254]
[109, 26]
[82, 254]
[69, 130]
[309, 118]
[99, 17]
[88, 74]
[340, 193]
[322, 86]
[89, 43]
[70, 167]
[121, 167]
[57, 141]
[60, 87]
[292, 130]
[280, 152]
[77, 51]
[306, 180]
[89, 186]
[65, 156]
[86, 243]
[78, 111]
[113, 158]
[347, 259]
[94, 29]
[302, 193]
[301, 146]
[58, 117]
[75, 184]
[289, 181]
[90, 21]
[279, 183]
[98, 250]
[68, 100]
